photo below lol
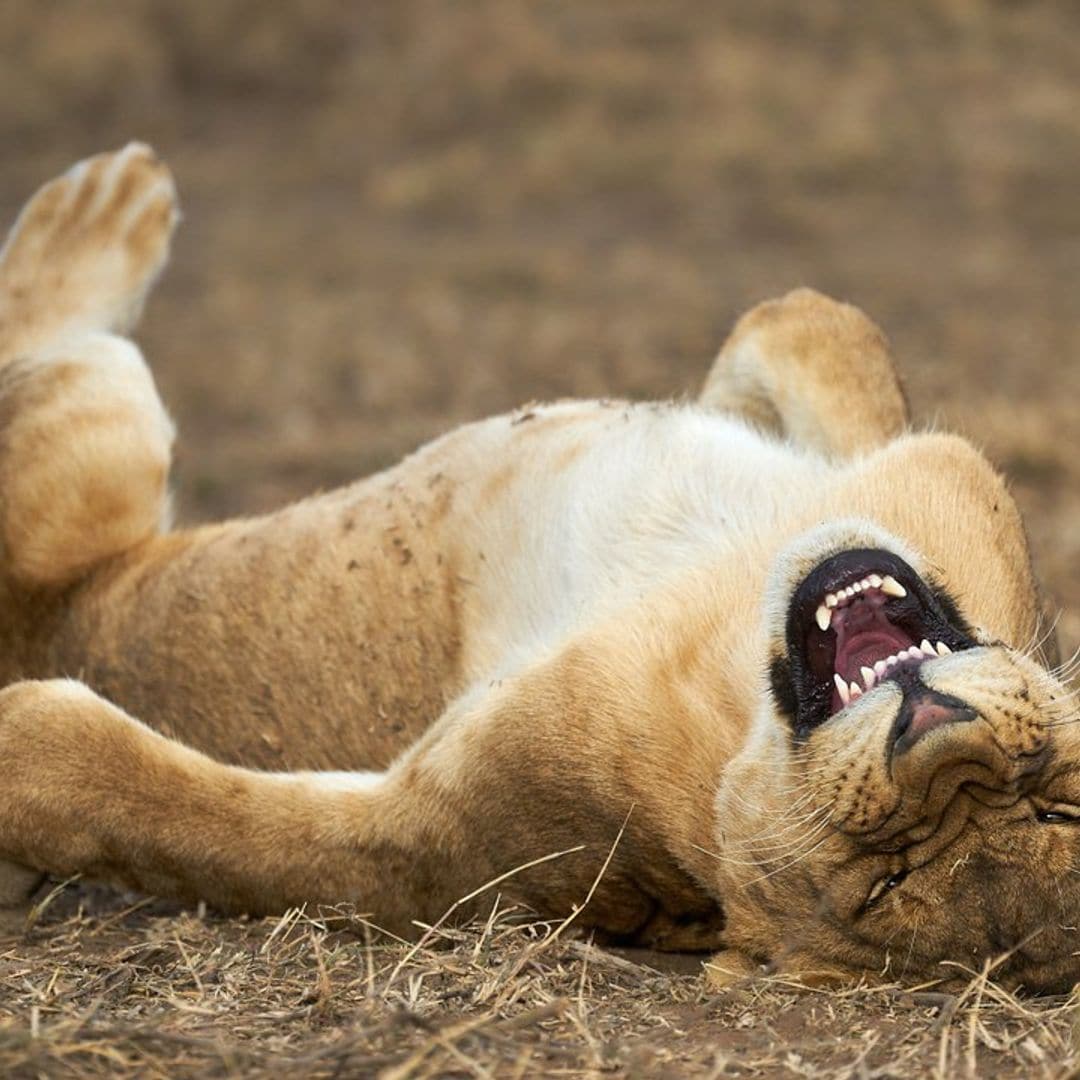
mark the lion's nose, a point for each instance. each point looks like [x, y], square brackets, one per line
[923, 711]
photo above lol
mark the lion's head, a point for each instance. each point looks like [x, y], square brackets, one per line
[909, 803]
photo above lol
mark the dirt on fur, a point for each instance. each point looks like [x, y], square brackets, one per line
[403, 216]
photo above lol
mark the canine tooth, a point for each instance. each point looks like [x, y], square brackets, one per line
[856, 691]
[831, 601]
[927, 647]
[875, 581]
[942, 649]
[842, 688]
[891, 587]
[868, 677]
[823, 616]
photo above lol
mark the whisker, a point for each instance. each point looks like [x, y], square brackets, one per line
[763, 852]
[789, 865]
[782, 835]
[792, 850]
[1069, 665]
[1037, 642]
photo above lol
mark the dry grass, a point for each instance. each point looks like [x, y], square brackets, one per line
[111, 986]
[402, 216]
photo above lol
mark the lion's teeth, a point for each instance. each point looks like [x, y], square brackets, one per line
[842, 688]
[881, 667]
[891, 587]
[927, 648]
[868, 677]
[943, 649]
[856, 690]
[823, 616]
[887, 584]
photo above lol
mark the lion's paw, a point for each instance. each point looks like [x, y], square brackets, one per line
[87, 247]
[729, 968]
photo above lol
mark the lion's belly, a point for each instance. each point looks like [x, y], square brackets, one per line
[331, 634]
[596, 516]
[324, 637]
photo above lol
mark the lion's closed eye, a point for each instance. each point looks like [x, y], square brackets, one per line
[882, 886]
[1058, 815]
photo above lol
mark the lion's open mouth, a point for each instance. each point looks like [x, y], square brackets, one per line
[859, 619]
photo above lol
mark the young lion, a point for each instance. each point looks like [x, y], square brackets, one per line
[769, 658]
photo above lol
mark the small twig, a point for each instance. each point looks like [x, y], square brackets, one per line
[33, 916]
[446, 915]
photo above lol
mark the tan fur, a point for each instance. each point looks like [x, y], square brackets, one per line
[86, 250]
[84, 457]
[814, 370]
[402, 625]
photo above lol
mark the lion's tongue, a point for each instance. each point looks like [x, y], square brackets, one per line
[863, 636]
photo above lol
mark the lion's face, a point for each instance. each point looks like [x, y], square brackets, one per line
[919, 799]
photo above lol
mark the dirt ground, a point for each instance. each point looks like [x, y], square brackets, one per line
[400, 216]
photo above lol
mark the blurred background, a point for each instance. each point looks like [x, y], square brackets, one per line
[402, 215]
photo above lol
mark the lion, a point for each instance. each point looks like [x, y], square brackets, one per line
[762, 674]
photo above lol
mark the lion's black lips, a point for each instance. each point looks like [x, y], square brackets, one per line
[891, 622]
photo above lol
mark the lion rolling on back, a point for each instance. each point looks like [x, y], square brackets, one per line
[770, 652]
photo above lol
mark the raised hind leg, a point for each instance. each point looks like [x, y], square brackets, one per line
[84, 440]
[812, 370]
[86, 249]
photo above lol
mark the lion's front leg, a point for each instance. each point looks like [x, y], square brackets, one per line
[494, 796]
[91, 791]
